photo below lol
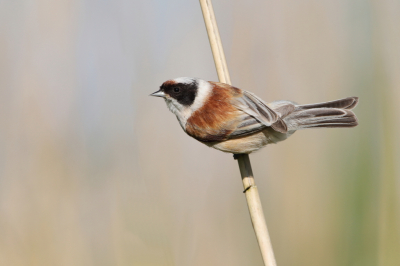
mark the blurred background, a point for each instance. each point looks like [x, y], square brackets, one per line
[95, 172]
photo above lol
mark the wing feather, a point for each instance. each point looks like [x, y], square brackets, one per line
[259, 110]
[254, 106]
[247, 126]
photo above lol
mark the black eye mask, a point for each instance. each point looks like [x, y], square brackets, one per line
[184, 93]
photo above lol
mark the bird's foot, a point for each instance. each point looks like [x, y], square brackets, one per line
[236, 156]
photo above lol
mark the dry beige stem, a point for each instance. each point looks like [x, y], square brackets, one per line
[253, 199]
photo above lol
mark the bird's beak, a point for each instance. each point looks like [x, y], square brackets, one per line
[158, 94]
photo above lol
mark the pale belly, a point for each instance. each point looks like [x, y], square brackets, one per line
[250, 143]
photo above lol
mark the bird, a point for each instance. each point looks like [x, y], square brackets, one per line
[237, 121]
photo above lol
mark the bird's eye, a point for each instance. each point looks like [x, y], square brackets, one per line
[176, 89]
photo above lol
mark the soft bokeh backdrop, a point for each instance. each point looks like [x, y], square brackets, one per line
[95, 172]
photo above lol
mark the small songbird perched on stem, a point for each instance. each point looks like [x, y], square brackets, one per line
[233, 120]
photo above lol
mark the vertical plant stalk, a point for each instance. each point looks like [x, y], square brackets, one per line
[250, 188]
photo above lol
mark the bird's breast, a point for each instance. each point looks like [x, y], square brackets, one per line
[215, 120]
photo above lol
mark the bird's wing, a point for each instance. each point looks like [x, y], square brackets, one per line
[232, 113]
[247, 125]
[257, 115]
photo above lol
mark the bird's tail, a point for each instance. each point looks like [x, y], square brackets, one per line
[329, 114]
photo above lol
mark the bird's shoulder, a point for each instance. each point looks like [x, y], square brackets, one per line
[227, 90]
[217, 117]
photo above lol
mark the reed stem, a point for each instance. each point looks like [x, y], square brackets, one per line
[250, 188]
